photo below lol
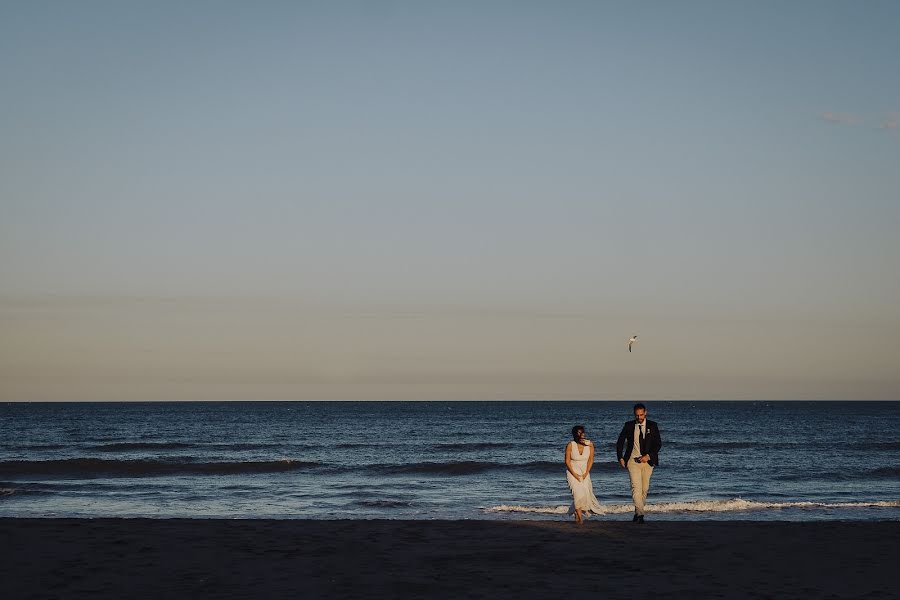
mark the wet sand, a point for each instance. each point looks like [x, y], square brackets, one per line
[189, 558]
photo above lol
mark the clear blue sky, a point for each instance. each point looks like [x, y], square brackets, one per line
[456, 199]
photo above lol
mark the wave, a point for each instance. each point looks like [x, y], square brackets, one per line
[469, 467]
[126, 446]
[889, 472]
[19, 491]
[254, 446]
[385, 503]
[879, 445]
[473, 446]
[98, 467]
[848, 475]
[10, 488]
[141, 468]
[704, 445]
[466, 467]
[141, 446]
[732, 505]
[700, 444]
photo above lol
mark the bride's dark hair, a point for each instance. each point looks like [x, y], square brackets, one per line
[575, 431]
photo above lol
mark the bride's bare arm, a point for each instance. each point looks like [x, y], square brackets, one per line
[590, 461]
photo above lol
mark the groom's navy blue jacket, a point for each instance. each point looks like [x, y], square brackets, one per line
[651, 444]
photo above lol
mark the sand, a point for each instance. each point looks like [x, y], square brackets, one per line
[184, 558]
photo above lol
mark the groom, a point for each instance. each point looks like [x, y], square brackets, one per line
[637, 450]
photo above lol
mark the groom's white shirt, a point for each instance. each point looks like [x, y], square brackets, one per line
[636, 446]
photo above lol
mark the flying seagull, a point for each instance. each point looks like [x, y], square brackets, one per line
[631, 341]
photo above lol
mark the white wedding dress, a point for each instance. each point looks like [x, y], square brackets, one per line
[582, 491]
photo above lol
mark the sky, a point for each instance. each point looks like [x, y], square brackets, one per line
[449, 200]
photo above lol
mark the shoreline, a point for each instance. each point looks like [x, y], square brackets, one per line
[190, 558]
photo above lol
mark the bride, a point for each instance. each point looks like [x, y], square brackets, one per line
[579, 459]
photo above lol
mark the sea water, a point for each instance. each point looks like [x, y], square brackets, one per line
[442, 460]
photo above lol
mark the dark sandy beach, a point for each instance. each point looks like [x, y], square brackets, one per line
[180, 558]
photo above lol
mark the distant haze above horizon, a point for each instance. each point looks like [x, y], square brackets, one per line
[402, 200]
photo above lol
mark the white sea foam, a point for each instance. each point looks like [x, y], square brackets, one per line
[732, 505]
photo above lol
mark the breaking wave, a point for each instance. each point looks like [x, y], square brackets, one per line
[732, 505]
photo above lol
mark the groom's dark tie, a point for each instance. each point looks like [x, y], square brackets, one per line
[641, 429]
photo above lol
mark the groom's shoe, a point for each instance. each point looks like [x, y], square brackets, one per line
[635, 519]
[640, 519]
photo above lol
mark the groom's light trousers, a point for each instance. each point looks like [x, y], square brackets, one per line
[639, 473]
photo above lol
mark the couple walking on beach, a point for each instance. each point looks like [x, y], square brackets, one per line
[637, 450]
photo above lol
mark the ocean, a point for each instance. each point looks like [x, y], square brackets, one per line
[442, 460]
